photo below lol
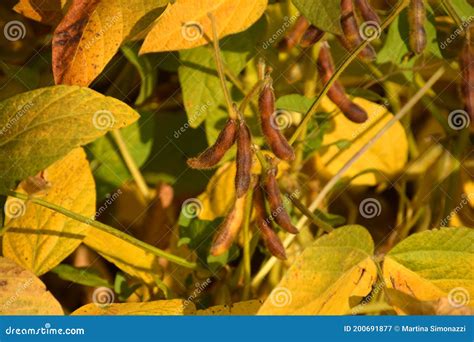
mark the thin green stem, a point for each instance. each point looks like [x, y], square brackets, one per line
[314, 107]
[256, 88]
[131, 165]
[105, 228]
[452, 12]
[220, 66]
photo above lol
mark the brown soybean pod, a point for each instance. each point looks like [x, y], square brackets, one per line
[416, 21]
[243, 160]
[229, 228]
[467, 82]
[277, 142]
[311, 36]
[366, 11]
[352, 38]
[294, 36]
[273, 195]
[337, 93]
[270, 238]
[212, 155]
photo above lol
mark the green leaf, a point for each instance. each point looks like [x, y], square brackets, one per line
[396, 47]
[463, 9]
[41, 126]
[294, 102]
[325, 15]
[202, 93]
[82, 275]
[432, 264]
[145, 68]
[111, 171]
[326, 275]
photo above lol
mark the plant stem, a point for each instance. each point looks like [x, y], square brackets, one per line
[131, 165]
[452, 12]
[328, 187]
[220, 67]
[105, 228]
[257, 86]
[313, 109]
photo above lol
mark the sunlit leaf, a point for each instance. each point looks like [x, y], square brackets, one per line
[38, 238]
[246, 308]
[388, 155]
[323, 278]
[434, 264]
[160, 307]
[185, 24]
[22, 293]
[43, 125]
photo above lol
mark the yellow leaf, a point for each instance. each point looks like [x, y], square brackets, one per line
[434, 264]
[91, 33]
[246, 308]
[22, 293]
[38, 238]
[388, 155]
[129, 258]
[159, 307]
[323, 278]
[47, 12]
[185, 24]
